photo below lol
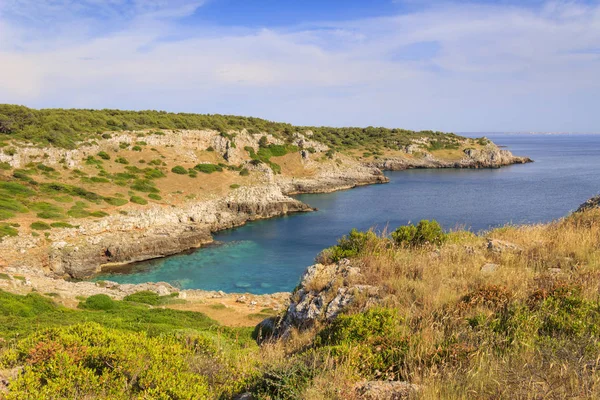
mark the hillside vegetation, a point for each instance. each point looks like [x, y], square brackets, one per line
[65, 127]
[515, 319]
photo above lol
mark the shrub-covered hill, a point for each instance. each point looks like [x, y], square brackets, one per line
[65, 127]
[513, 314]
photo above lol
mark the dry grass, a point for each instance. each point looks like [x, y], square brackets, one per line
[530, 329]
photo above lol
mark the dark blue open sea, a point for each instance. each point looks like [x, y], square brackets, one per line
[270, 256]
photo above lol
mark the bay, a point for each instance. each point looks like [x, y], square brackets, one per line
[270, 256]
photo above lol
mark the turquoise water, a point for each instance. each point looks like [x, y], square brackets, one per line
[270, 256]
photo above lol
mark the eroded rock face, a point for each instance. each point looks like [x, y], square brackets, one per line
[594, 202]
[500, 246]
[153, 232]
[324, 292]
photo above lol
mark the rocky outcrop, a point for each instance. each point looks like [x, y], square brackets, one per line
[592, 203]
[489, 157]
[332, 179]
[387, 390]
[324, 292]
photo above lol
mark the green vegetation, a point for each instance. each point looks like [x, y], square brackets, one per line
[234, 186]
[348, 246]
[138, 200]
[7, 230]
[178, 169]
[244, 172]
[425, 232]
[103, 155]
[154, 196]
[151, 298]
[63, 128]
[118, 350]
[208, 168]
[40, 226]
[266, 151]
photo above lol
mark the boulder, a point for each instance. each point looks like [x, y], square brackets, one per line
[594, 202]
[499, 246]
[387, 390]
[489, 268]
[324, 292]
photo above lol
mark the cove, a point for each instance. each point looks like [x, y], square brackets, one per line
[270, 255]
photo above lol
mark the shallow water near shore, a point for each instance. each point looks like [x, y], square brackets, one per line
[270, 255]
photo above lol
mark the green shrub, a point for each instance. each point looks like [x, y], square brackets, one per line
[103, 155]
[244, 172]
[234, 186]
[145, 185]
[138, 200]
[9, 204]
[179, 170]
[348, 246]
[90, 361]
[5, 214]
[7, 230]
[372, 341]
[45, 168]
[153, 173]
[114, 201]
[154, 196]
[98, 302]
[61, 225]
[426, 232]
[5, 166]
[136, 148]
[121, 160]
[40, 226]
[208, 168]
[146, 297]
[98, 214]
[210, 148]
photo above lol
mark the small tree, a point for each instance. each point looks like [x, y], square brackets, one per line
[263, 142]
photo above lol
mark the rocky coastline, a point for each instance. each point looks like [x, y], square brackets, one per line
[163, 230]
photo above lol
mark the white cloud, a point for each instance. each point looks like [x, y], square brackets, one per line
[497, 68]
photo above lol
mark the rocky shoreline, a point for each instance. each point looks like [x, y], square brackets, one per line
[163, 230]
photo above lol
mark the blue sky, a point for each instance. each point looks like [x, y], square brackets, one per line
[453, 66]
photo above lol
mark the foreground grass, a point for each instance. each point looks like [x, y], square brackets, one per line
[528, 328]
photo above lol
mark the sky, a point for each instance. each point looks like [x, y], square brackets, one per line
[456, 66]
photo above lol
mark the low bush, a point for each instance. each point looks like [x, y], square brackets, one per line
[138, 200]
[208, 168]
[348, 246]
[103, 155]
[40, 226]
[425, 232]
[179, 170]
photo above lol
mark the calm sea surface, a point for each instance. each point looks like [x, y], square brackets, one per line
[270, 256]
